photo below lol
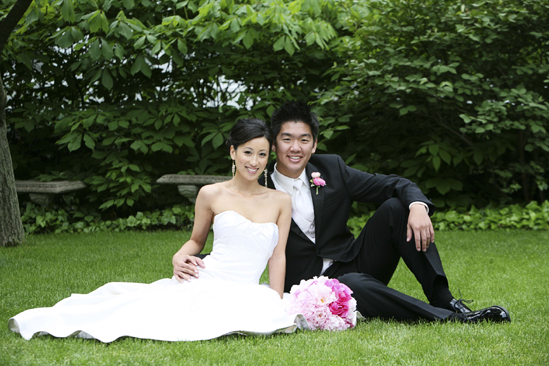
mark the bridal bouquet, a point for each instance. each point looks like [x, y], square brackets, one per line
[325, 303]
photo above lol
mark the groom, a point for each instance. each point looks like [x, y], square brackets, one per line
[320, 242]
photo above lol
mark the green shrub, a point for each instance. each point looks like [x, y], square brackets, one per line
[38, 219]
[533, 216]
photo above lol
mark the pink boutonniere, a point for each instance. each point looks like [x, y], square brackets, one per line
[317, 181]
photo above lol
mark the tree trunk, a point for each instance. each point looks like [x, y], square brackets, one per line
[8, 24]
[11, 228]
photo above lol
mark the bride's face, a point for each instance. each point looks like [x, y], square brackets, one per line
[251, 158]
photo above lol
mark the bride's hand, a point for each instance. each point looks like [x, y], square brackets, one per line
[186, 266]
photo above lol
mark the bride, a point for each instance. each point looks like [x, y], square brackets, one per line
[206, 298]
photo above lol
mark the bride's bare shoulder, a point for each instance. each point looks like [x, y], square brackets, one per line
[211, 190]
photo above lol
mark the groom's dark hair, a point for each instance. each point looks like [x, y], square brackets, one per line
[294, 111]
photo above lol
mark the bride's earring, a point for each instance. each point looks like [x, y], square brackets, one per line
[233, 169]
[265, 171]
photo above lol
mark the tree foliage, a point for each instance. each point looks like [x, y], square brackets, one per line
[452, 95]
[137, 89]
[120, 92]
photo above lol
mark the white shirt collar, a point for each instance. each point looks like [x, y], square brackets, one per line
[287, 183]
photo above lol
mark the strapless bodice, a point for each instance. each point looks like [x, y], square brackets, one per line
[241, 249]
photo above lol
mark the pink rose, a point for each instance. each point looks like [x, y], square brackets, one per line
[338, 308]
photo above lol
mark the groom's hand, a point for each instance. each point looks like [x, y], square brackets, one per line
[186, 266]
[420, 225]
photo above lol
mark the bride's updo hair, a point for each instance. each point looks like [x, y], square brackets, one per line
[246, 129]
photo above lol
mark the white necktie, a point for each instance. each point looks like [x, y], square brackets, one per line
[303, 213]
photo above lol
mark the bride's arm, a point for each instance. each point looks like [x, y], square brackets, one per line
[277, 262]
[184, 261]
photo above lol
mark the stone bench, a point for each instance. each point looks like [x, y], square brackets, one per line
[42, 193]
[188, 185]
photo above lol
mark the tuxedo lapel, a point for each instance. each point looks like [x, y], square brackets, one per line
[297, 231]
[318, 200]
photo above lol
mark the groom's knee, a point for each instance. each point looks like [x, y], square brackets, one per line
[393, 205]
[392, 212]
[350, 279]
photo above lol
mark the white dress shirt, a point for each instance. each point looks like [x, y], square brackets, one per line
[302, 205]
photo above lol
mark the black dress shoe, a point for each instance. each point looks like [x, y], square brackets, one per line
[459, 307]
[495, 314]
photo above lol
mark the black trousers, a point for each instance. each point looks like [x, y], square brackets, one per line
[383, 243]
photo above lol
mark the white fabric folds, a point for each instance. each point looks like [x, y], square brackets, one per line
[225, 299]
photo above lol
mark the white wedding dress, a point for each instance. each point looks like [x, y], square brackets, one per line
[225, 299]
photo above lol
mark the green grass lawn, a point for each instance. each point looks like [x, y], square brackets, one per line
[505, 268]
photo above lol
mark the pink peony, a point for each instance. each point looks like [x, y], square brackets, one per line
[342, 291]
[335, 323]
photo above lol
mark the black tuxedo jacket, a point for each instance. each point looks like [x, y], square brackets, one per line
[332, 206]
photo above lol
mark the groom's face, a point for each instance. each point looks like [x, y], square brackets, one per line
[294, 146]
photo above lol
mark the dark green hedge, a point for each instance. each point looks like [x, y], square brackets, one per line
[38, 219]
[533, 216]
